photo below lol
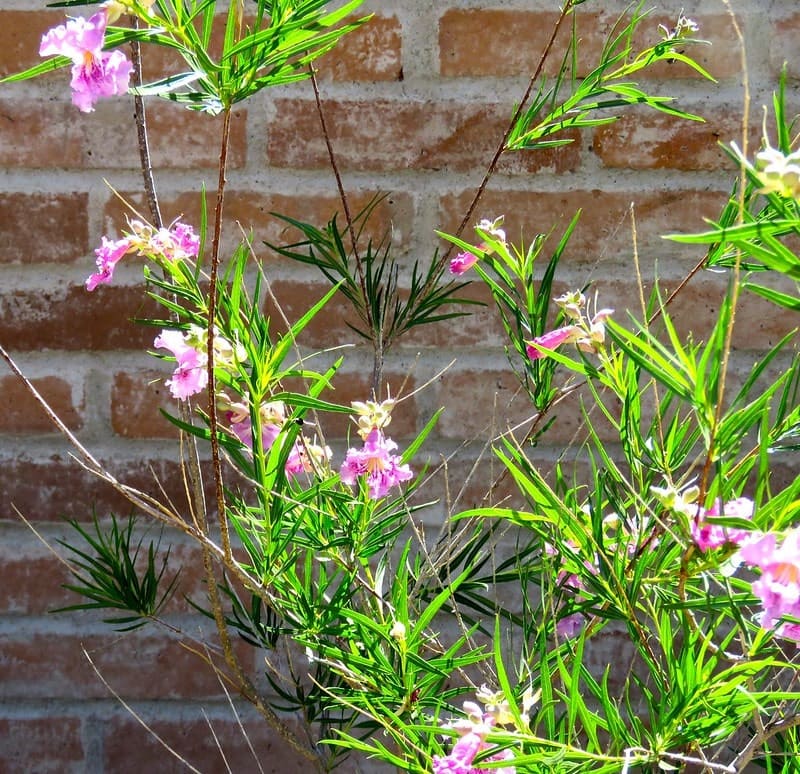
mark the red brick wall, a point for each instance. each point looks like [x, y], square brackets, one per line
[416, 102]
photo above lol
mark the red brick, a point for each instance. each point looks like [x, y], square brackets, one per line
[41, 134]
[644, 139]
[49, 745]
[45, 489]
[373, 52]
[23, 414]
[70, 318]
[495, 43]
[135, 402]
[128, 748]
[43, 227]
[20, 35]
[603, 230]
[139, 666]
[383, 134]
[32, 576]
[784, 45]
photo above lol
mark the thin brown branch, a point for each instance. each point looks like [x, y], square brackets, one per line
[507, 133]
[213, 423]
[140, 118]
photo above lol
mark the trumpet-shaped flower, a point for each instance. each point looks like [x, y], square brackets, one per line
[487, 229]
[382, 469]
[190, 375]
[95, 73]
[779, 584]
[472, 741]
[551, 340]
[463, 262]
[177, 243]
[108, 255]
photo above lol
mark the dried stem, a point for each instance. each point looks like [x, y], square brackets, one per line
[141, 134]
[216, 460]
[378, 344]
[517, 113]
[195, 478]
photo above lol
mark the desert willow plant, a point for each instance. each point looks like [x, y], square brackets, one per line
[310, 558]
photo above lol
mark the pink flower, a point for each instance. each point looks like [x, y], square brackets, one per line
[382, 469]
[551, 340]
[779, 584]
[463, 262]
[177, 243]
[708, 536]
[95, 73]
[190, 375]
[460, 759]
[108, 255]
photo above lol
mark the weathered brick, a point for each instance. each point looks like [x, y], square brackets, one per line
[68, 317]
[136, 400]
[20, 35]
[138, 666]
[128, 748]
[23, 414]
[40, 228]
[603, 230]
[45, 489]
[373, 52]
[383, 134]
[32, 575]
[42, 134]
[479, 42]
[650, 140]
[45, 745]
[784, 45]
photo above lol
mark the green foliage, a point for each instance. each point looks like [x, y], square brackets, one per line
[369, 278]
[594, 98]
[109, 572]
[381, 634]
[274, 45]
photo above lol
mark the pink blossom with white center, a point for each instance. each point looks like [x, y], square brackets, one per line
[708, 536]
[108, 255]
[382, 469]
[779, 584]
[95, 73]
[551, 340]
[190, 375]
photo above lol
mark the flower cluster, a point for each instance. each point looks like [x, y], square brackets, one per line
[588, 333]
[778, 588]
[778, 173]
[190, 350]
[306, 456]
[472, 732]
[176, 243]
[374, 460]
[95, 73]
[467, 259]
